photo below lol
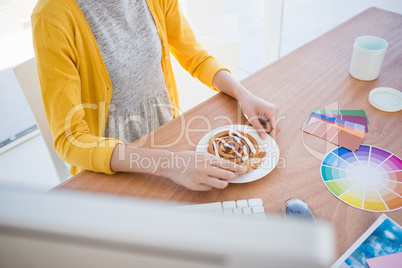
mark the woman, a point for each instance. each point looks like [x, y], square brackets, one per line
[106, 80]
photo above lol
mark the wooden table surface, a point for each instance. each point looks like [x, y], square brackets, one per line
[314, 76]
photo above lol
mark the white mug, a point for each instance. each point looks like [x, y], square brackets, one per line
[367, 58]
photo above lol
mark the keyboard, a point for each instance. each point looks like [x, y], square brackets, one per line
[242, 208]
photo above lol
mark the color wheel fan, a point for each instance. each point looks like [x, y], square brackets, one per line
[369, 178]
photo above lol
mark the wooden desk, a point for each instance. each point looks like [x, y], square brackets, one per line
[313, 77]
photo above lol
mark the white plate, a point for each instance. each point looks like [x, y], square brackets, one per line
[268, 145]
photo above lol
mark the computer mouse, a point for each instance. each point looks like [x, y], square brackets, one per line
[298, 208]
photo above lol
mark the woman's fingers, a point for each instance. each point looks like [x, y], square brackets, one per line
[224, 165]
[222, 174]
[202, 187]
[262, 125]
[266, 125]
[272, 121]
[255, 122]
[205, 173]
[215, 182]
[206, 183]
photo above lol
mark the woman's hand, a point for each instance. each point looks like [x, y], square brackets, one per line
[201, 171]
[253, 107]
[256, 110]
[193, 170]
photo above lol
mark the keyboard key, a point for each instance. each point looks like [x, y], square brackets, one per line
[237, 212]
[218, 212]
[242, 203]
[227, 211]
[245, 208]
[202, 207]
[229, 205]
[207, 212]
[247, 211]
[255, 202]
[258, 210]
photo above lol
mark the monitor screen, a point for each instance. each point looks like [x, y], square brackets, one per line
[71, 229]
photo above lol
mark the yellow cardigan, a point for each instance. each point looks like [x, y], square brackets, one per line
[76, 88]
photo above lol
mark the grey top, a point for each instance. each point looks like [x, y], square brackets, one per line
[131, 49]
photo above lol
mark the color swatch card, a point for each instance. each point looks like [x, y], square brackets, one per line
[369, 178]
[334, 133]
[343, 113]
[355, 127]
[361, 120]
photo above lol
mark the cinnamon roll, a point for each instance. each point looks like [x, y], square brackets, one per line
[238, 147]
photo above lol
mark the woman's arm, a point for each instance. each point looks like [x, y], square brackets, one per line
[185, 48]
[77, 140]
[252, 106]
[193, 170]
[210, 71]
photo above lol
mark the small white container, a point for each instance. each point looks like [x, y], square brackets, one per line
[367, 58]
[386, 99]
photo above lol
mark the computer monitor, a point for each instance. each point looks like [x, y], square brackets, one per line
[71, 229]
